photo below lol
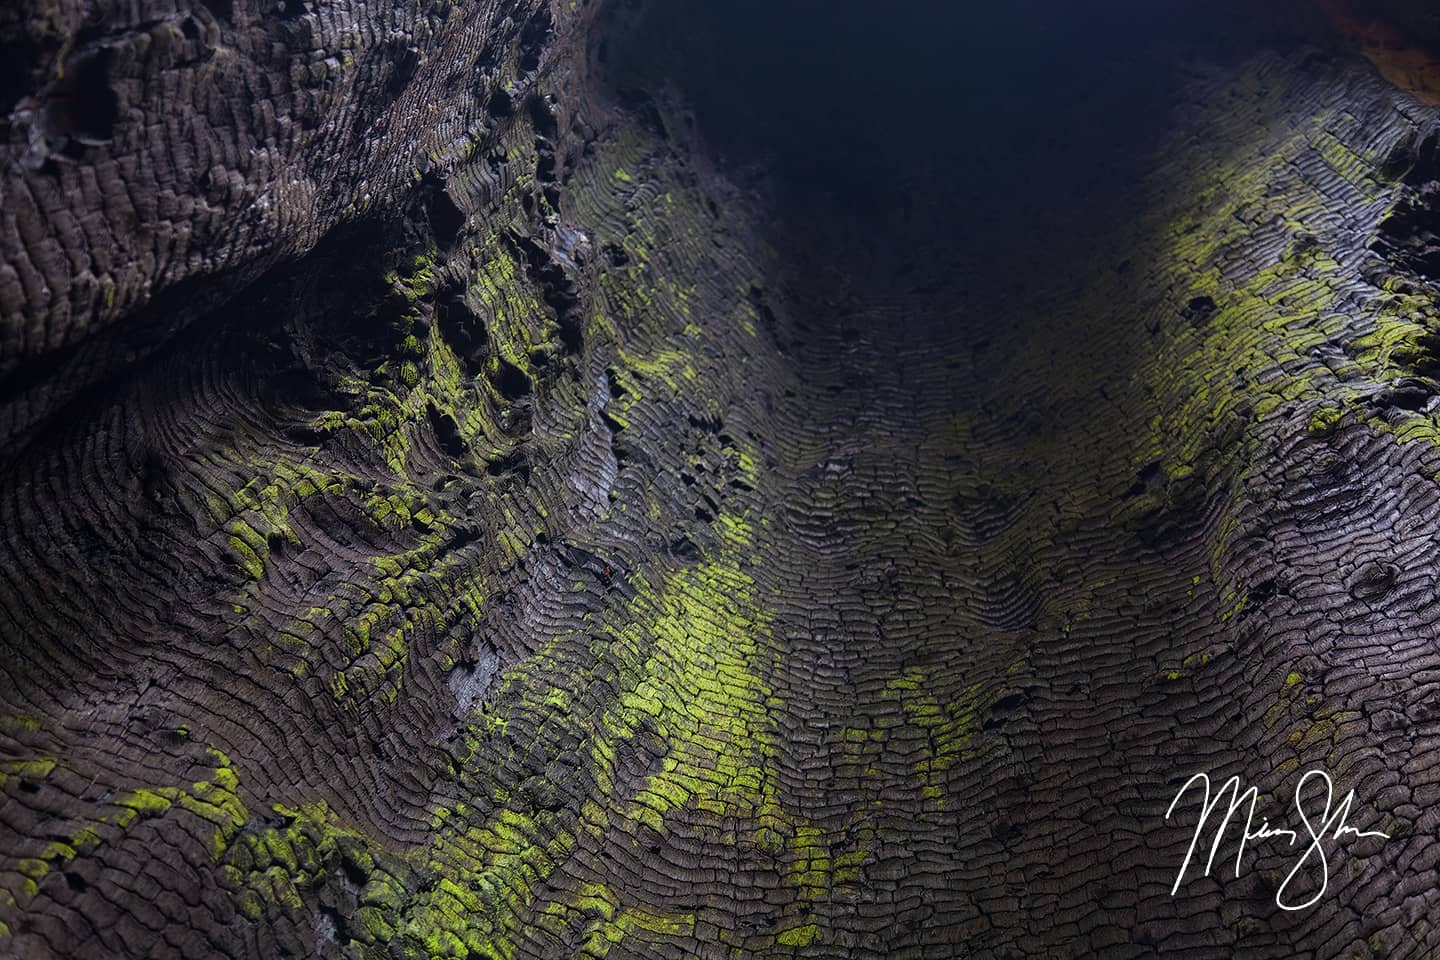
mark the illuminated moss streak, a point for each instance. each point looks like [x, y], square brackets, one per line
[699, 686]
[215, 801]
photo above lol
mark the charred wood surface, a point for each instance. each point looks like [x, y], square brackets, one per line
[444, 515]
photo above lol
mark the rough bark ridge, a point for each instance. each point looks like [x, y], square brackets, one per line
[438, 522]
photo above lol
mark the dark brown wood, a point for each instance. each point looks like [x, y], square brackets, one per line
[443, 515]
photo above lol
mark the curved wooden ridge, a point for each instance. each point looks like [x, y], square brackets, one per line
[440, 519]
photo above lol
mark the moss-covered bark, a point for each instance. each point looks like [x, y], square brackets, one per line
[513, 553]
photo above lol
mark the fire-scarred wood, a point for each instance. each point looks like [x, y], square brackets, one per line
[444, 516]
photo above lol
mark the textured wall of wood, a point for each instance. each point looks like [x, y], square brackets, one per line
[438, 520]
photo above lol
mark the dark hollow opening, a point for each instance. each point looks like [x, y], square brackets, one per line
[935, 150]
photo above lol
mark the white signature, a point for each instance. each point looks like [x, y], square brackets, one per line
[1327, 825]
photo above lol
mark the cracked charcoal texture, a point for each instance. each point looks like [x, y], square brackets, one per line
[445, 515]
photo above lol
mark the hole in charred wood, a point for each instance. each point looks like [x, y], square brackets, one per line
[532, 40]
[447, 432]
[502, 105]
[83, 107]
[511, 381]
[1200, 311]
[544, 117]
[445, 216]
[1410, 236]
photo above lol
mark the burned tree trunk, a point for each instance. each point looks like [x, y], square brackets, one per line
[453, 505]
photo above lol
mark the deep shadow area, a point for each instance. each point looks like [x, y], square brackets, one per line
[940, 130]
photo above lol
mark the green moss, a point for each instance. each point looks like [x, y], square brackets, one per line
[215, 800]
[36, 768]
[250, 561]
[1324, 420]
[802, 936]
[603, 921]
[277, 867]
[705, 635]
[374, 925]
[143, 803]
[419, 279]
[14, 723]
[688, 668]
[1251, 350]
[251, 905]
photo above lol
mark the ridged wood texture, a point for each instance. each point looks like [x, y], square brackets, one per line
[436, 523]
